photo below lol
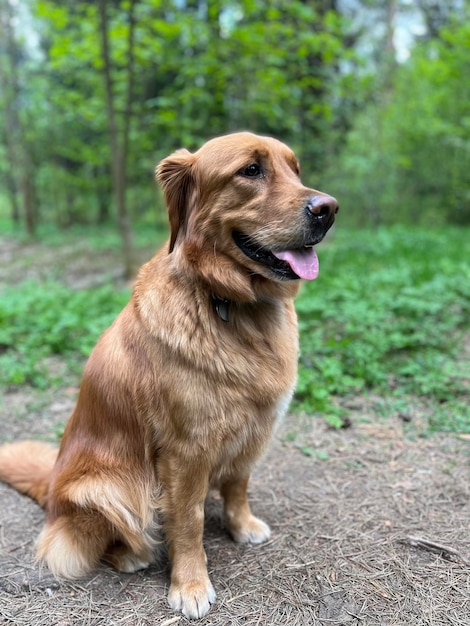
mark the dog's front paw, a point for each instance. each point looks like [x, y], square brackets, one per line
[193, 599]
[250, 530]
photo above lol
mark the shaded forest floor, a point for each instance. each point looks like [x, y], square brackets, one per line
[370, 523]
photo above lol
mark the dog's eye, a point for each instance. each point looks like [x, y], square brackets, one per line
[251, 171]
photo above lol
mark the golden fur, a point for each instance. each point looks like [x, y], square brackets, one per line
[183, 390]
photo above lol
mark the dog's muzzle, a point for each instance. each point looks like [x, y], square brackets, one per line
[299, 260]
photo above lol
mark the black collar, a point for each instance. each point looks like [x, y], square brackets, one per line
[221, 307]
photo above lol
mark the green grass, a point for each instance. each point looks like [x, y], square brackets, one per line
[387, 316]
[39, 320]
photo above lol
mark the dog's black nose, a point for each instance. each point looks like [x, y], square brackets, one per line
[322, 206]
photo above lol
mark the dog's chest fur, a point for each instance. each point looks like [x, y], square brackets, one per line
[221, 386]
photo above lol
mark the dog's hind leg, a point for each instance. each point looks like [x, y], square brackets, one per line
[72, 545]
[99, 520]
[131, 558]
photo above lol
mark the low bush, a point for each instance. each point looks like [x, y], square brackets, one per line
[40, 319]
[388, 314]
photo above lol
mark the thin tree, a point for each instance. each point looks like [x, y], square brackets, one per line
[119, 141]
[19, 174]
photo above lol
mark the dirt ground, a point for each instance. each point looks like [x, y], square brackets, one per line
[370, 525]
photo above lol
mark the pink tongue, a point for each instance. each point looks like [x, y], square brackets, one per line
[303, 262]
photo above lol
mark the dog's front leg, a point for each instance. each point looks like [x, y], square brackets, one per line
[242, 524]
[184, 492]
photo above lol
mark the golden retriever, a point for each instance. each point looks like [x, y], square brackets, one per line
[182, 392]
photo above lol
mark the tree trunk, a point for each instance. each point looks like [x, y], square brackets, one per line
[119, 145]
[103, 192]
[18, 152]
[13, 193]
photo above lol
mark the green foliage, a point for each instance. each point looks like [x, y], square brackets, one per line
[390, 140]
[200, 70]
[407, 155]
[251, 65]
[387, 315]
[38, 320]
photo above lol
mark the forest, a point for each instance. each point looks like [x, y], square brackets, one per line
[372, 94]
[365, 484]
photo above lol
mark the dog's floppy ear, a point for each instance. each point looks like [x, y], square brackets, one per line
[175, 174]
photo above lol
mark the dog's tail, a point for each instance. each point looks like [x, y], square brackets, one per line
[27, 467]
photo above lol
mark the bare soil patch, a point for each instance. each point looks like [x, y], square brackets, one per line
[370, 526]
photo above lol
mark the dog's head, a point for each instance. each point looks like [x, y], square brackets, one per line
[240, 216]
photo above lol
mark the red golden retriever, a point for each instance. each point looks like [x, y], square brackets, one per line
[182, 392]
